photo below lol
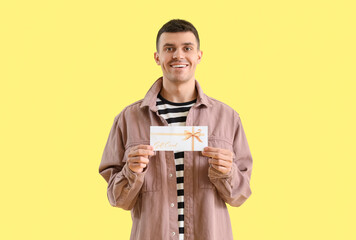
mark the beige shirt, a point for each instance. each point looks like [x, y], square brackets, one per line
[152, 195]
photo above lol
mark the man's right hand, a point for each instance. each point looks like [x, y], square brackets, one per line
[138, 157]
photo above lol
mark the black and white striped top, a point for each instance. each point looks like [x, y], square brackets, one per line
[176, 114]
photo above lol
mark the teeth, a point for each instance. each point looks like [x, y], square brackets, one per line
[178, 66]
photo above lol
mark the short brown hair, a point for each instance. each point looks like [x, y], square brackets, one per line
[177, 25]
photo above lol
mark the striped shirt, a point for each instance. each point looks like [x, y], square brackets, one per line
[176, 114]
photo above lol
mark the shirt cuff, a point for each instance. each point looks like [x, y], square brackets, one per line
[132, 176]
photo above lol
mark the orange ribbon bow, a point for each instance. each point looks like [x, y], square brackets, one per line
[193, 135]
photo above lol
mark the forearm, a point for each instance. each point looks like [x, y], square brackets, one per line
[124, 188]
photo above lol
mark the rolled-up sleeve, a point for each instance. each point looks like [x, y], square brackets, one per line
[123, 185]
[234, 187]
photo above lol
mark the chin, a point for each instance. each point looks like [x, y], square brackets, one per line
[178, 80]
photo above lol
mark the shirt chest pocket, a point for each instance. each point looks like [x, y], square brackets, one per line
[152, 179]
[204, 181]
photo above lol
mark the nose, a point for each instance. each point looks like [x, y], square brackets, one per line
[178, 54]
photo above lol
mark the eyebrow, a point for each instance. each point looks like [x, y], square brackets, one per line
[172, 45]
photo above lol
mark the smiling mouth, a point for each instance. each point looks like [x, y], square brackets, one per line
[179, 65]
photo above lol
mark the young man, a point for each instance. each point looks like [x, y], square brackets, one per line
[177, 195]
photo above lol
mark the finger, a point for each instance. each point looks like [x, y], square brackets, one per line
[141, 146]
[138, 159]
[218, 150]
[141, 165]
[221, 169]
[216, 155]
[219, 162]
[140, 152]
[136, 169]
[136, 165]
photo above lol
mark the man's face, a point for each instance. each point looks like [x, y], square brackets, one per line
[178, 56]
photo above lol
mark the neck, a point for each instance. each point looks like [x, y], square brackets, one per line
[179, 92]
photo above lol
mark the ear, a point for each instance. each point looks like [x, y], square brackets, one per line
[200, 54]
[156, 56]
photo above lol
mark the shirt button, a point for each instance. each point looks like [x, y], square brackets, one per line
[170, 175]
[173, 233]
[172, 204]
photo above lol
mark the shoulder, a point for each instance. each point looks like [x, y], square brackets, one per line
[131, 110]
[222, 108]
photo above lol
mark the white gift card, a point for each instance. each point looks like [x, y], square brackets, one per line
[179, 138]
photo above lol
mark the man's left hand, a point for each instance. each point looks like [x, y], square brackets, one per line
[220, 159]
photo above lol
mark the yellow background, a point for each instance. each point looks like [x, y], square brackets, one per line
[69, 67]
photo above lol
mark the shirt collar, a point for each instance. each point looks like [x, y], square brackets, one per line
[151, 96]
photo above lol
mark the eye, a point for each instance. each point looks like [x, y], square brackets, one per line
[169, 49]
[188, 48]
